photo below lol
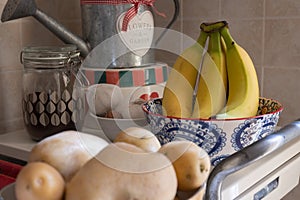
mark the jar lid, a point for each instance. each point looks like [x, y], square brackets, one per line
[48, 56]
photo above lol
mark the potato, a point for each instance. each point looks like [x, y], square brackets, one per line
[197, 194]
[123, 171]
[38, 180]
[191, 163]
[140, 137]
[67, 151]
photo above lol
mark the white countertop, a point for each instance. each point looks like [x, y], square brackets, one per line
[16, 144]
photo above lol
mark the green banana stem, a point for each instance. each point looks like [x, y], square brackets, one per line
[213, 27]
[229, 41]
[215, 44]
[202, 38]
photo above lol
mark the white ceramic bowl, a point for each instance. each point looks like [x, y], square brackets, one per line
[220, 138]
[111, 127]
[128, 95]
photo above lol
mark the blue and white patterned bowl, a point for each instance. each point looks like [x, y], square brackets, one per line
[220, 138]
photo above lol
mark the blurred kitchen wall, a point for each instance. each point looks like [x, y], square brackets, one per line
[268, 29]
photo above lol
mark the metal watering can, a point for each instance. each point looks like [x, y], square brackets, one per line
[101, 19]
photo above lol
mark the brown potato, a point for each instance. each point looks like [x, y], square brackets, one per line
[124, 171]
[67, 151]
[139, 137]
[38, 180]
[191, 163]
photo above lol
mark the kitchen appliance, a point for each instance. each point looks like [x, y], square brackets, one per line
[267, 169]
[131, 20]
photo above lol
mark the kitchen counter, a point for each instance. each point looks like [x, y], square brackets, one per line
[18, 144]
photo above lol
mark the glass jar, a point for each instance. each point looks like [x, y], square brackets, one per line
[49, 103]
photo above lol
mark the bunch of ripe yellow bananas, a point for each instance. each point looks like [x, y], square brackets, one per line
[219, 82]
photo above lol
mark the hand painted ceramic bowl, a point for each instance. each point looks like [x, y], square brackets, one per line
[220, 138]
[153, 74]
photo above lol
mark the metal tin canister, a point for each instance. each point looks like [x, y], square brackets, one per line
[49, 104]
[100, 22]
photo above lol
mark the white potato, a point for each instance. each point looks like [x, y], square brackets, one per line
[124, 171]
[140, 137]
[67, 151]
[191, 163]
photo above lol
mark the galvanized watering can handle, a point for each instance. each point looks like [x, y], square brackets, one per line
[248, 156]
[175, 16]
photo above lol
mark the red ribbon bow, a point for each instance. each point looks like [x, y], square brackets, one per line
[131, 13]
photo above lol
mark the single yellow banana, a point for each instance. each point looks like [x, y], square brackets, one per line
[224, 49]
[211, 94]
[178, 93]
[243, 88]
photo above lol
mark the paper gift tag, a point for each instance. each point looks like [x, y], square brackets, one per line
[139, 35]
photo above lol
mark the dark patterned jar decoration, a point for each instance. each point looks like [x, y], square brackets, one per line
[50, 102]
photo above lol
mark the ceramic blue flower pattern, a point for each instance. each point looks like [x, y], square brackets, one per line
[207, 135]
[269, 124]
[219, 138]
[246, 133]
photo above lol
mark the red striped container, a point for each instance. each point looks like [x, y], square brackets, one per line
[128, 77]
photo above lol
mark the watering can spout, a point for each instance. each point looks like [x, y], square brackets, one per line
[18, 9]
[60, 31]
[15, 9]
